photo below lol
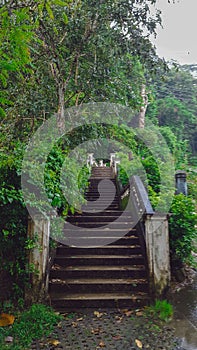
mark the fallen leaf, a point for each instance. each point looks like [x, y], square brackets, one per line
[102, 344]
[80, 319]
[139, 313]
[138, 343]
[118, 319]
[6, 320]
[54, 342]
[96, 331]
[128, 313]
[123, 311]
[98, 314]
[74, 324]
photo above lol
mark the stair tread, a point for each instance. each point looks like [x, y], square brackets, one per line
[104, 247]
[96, 216]
[103, 223]
[98, 281]
[100, 296]
[135, 267]
[108, 211]
[93, 256]
[98, 229]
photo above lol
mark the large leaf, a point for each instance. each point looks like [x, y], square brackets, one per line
[6, 320]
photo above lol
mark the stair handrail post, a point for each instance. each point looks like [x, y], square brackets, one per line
[38, 258]
[116, 163]
[90, 159]
[158, 253]
[112, 159]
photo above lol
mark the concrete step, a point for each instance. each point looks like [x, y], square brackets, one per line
[64, 302]
[99, 176]
[98, 218]
[96, 232]
[96, 224]
[106, 250]
[99, 260]
[94, 285]
[94, 183]
[124, 271]
[104, 197]
[94, 189]
[100, 206]
[88, 242]
[107, 212]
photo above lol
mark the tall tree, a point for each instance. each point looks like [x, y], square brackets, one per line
[88, 50]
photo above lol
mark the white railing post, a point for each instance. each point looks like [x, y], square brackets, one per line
[90, 159]
[112, 158]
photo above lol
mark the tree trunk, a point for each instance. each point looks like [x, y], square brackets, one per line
[61, 108]
[143, 108]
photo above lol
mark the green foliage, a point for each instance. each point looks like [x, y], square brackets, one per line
[35, 323]
[13, 245]
[15, 37]
[182, 227]
[175, 107]
[162, 309]
[192, 183]
[13, 222]
[170, 138]
[152, 172]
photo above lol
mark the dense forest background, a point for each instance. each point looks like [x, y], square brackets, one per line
[56, 54]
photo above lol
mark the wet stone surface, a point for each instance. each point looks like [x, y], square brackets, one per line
[110, 330]
[185, 314]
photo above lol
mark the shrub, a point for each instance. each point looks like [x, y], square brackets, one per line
[182, 227]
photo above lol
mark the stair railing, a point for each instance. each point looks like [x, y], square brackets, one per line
[135, 197]
[153, 234]
[140, 202]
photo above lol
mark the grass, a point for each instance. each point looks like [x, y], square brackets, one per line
[162, 309]
[29, 325]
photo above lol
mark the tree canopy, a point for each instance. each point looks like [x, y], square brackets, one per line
[175, 105]
[57, 54]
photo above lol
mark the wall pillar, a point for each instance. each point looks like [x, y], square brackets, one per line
[38, 231]
[157, 246]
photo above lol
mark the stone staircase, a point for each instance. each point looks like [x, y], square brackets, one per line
[103, 264]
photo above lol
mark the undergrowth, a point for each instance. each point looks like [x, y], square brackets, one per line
[29, 325]
[162, 309]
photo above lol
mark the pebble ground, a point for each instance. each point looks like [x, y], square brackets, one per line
[110, 330]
